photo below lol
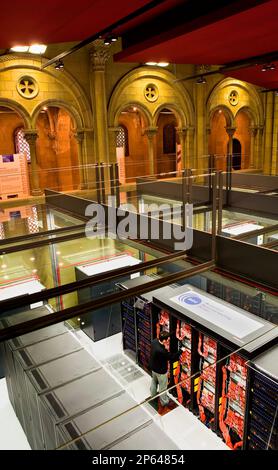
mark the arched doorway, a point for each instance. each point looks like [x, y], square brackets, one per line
[131, 145]
[10, 121]
[236, 156]
[243, 136]
[57, 149]
[14, 174]
[166, 148]
[218, 139]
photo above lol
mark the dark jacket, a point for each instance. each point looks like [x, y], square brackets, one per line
[160, 357]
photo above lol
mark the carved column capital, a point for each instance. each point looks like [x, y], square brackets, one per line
[253, 131]
[230, 131]
[99, 54]
[150, 132]
[30, 136]
[181, 131]
[79, 135]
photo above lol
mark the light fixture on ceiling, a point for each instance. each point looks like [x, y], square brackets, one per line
[59, 65]
[159, 64]
[268, 67]
[109, 39]
[33, 49]
[201, 80]
[37, 49]
[19, 49]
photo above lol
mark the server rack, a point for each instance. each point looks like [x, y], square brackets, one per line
[139, 327]
[13, 386]
[50, 376]
[103, 436]
[72, 399]
[218, 394]
[104, 322]
[262, 422]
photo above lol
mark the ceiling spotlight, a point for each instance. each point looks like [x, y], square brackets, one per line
[151, 63]
[107, 41]
[267, 67]
[163, 64]
[59, 65]
[113, 38]
[201, 80]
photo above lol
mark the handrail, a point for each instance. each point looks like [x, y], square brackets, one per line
[68, 313]
[28, 299]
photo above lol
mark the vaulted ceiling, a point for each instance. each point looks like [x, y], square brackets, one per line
[218, 32]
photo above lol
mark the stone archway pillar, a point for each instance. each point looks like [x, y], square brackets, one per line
[268, 135]
[151, 132]
[182, 132]
[230, 131]
[31, 137]
[253, 147]
[79, 136]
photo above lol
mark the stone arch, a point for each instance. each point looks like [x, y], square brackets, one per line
[249, 112]
[73, 112]
[179, 115]
[61, 84]
[143, 109]
[249, 98]
[132, 85]
[17, 108]
[226, 111]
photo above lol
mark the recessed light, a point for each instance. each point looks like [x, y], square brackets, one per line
[151, 63]
[20, 49]
[37, 49]
[163, 64]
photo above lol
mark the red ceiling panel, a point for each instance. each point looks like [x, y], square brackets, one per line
[255, 76]
[248, 33]
[53, 21]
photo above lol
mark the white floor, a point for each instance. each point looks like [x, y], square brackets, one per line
[180, 425]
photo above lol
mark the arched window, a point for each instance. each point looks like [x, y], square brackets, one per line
[122, 139]
[169, 139]
[21, 145]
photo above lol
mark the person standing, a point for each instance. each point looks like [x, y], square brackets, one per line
[159, 366]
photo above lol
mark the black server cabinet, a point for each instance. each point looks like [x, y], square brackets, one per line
[262, 424]
[49, 376]
[139, 326]
[105, 430]
[219, 392]
[13, 381]
[72, 399]
[103, 322]
[32, 356]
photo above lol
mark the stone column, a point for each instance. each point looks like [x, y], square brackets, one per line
[253, 132]
[190, 146]
[268, 135]
[31, 137]
[151, 133]
[79, 136]
[99, 55]
[182, 132]
[230, 131]
[200, 136]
